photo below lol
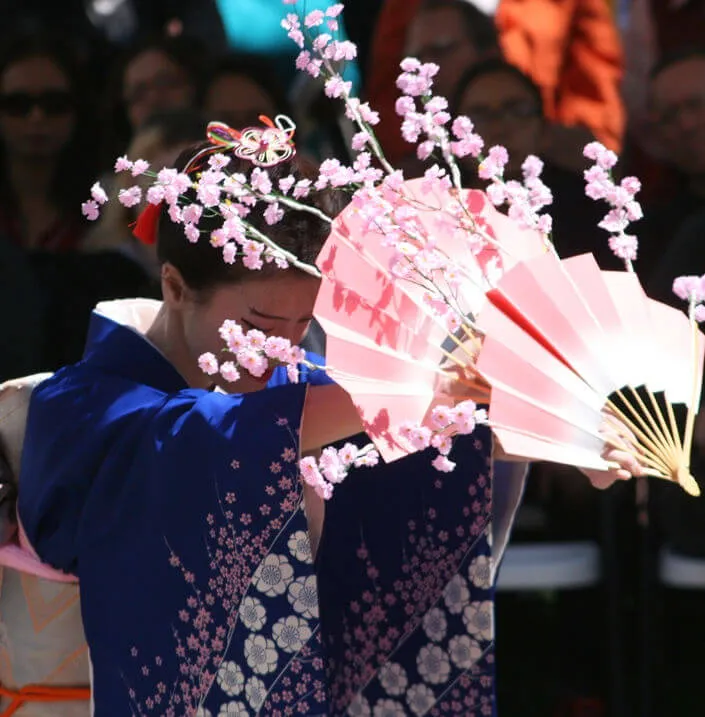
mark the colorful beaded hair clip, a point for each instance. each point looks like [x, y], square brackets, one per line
[264, 147]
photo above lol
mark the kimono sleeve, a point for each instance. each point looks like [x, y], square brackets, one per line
[123, 454]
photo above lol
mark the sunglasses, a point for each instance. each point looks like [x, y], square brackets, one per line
[52, 103]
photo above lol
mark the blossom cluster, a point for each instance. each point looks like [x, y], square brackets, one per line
[446, 422]
[252, 350]
[692, 290]
[625, 209]
[227, 197]
[333, 466]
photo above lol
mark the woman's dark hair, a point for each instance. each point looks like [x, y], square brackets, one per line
[491, 67]
[257, 69]
[303, 234]
[77, 166]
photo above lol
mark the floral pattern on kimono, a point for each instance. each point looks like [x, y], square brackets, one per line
[408, 610]
[248, 638]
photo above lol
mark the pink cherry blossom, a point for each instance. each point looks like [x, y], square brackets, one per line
[90, 210]
[336, 87]
[155, 194]
[228, 370]
[191, 213]
[130, 197]
[98, 194]
[689, 288]
[273, 214]
[192, 233]
[122, 164]
[208, 363]
[624, 246]
[139, 166]
[230, 252]
[314, 18]
[441, 463]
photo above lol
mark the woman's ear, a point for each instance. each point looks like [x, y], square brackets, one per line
[174, 288]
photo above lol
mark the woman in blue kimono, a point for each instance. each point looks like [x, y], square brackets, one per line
[209, 584]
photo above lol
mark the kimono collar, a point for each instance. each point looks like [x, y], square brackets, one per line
[116, 343]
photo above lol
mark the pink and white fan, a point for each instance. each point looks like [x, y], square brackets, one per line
[385, 341]
[565, 342]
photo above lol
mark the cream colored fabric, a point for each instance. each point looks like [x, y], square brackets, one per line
[41, 633]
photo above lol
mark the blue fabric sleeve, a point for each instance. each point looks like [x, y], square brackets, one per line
[118, 444]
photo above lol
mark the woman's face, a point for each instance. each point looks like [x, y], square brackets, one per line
[238, 101]
[37, 110]
[281, 305]
[153, 82]
[505, 112]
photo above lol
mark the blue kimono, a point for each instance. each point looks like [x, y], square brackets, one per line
[181, 513]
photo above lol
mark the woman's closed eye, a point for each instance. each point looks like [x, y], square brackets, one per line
[249, 326]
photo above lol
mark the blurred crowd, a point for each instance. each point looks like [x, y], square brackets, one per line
[83, 82]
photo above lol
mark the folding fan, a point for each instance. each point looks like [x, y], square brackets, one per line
[565, 342]
[385, 344]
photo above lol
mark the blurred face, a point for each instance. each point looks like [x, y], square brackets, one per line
[37, 114]
[237, 101]
[439, 36]
[677, 105]
[505, 112]
[278, 306]
[154, 82]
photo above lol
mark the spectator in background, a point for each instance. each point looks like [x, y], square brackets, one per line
[46, 146]
[570, 48]
[240, 89]
[451, 33]
[676, 105]
[160, 74]
[507, 109]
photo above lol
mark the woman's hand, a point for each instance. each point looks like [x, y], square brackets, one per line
[458, 380]
[459, 384]
[621, 453]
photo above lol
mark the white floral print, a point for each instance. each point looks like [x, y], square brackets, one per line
[480, 572]
[261, 654]
[273, 575]
[393, 678]
[234, 709]
[456, 595]
[252, 614]
[203, 712]
[433, 665]
[420, 699]
[359, 707]
[256, 692]
[435, 624]
[303, 595]
[300, 546]
[464, 652]
[388, 708]
[230, 678]
[479, 619]
[291, 633]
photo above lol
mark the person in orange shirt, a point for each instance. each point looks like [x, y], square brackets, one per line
[570, 48]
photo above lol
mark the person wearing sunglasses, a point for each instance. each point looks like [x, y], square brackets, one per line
[42, 149]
